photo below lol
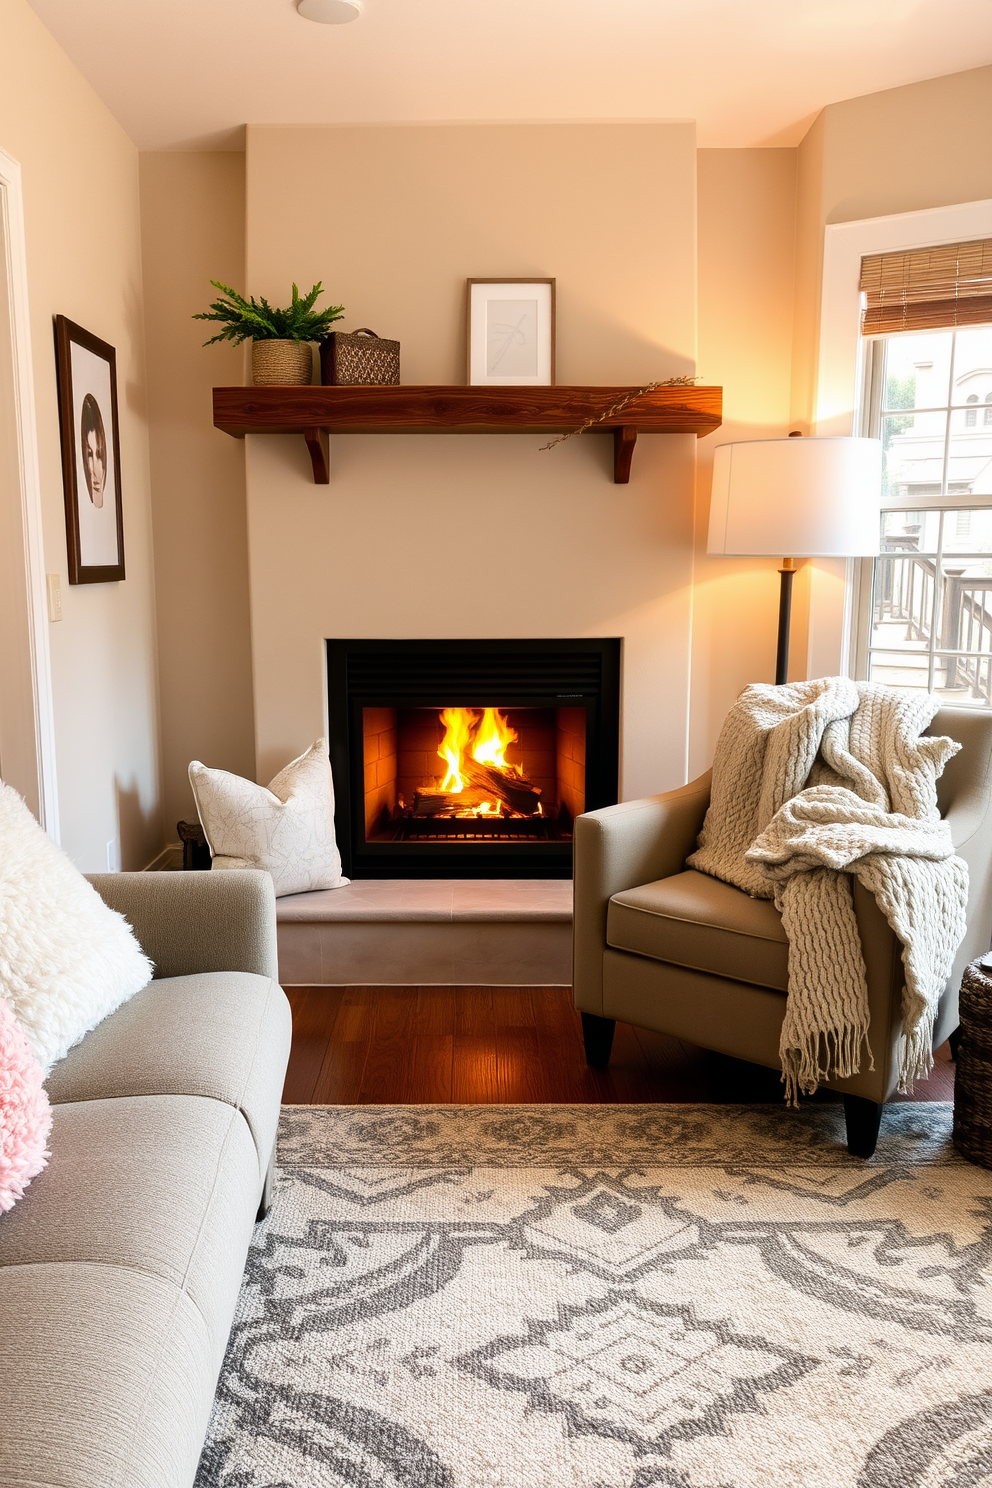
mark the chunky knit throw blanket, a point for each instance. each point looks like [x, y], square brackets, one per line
[815, 782]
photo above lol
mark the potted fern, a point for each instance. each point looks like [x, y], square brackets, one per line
[280, 352]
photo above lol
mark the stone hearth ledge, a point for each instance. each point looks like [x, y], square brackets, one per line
[429, 932]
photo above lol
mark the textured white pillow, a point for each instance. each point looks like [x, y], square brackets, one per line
[66, 960]
[287, 828]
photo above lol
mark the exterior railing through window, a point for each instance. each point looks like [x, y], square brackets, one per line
[924, 618]
[956, 625]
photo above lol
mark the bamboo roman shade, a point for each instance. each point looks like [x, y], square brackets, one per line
[926, 288]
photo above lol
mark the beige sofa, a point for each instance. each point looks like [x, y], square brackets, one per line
[120, 1268]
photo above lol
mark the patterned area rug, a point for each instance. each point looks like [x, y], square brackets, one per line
[612, 1297]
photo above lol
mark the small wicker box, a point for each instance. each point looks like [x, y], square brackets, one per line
[973, 1079]
[196, 853]
[352, 358]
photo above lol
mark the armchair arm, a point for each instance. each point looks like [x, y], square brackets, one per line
[619, 848]
[191, 922]
[970, 819]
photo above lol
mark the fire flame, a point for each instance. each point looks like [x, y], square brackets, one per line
[493, 737]
[458, 723]
[486, 739]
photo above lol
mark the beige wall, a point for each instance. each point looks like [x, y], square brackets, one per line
[405, 541]
[193, 215]
[925, 145]
[80, 176]
[747, 204]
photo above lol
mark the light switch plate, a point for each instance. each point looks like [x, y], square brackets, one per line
[54, 596]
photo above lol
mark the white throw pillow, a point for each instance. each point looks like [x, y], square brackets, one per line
[287, 827]
[66, 960]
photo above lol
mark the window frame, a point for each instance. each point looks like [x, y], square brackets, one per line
[837, 370]
[869, 423]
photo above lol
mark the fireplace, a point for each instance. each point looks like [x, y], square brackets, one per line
[457, 758]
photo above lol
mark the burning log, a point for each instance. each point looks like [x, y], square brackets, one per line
[515, 791]
[474, 752]
[428, 801]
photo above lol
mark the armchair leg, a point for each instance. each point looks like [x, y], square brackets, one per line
[597, 1035]
[863, 1119]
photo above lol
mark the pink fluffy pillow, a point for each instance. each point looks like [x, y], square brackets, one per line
[25, 1115]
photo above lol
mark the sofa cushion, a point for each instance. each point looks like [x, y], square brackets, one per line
[285, 828]
[25, 1116]
[166, 1185]
[222, 1034]
[68, 961]
[106, 1377]
[693, 920]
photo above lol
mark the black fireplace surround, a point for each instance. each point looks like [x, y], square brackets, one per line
[392, 706]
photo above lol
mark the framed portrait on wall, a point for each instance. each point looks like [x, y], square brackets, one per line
[511, 332]
[91, 454]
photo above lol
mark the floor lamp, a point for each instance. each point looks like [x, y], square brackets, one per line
[804, 498]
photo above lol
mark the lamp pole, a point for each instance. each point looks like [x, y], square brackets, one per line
[786, 575]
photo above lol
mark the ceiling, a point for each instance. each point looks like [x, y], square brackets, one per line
[190, 73]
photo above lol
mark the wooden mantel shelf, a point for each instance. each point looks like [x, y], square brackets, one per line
[316, 412]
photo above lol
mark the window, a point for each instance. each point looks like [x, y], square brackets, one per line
[927, 620]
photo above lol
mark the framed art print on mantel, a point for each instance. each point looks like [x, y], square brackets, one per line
[91, 454]
[511, 332]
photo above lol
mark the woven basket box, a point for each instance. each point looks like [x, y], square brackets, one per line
[973, 1077]
[352, 358]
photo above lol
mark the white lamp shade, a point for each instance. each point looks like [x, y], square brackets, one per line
[330, 12]
[796, 498]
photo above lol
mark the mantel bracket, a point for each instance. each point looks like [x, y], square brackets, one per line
[319, 450]
[624, 440]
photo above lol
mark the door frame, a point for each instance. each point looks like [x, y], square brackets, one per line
[29, 628]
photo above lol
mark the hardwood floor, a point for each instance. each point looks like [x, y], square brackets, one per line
[480, 1045]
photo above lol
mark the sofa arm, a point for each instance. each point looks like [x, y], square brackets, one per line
[192, 922]
[621, 847]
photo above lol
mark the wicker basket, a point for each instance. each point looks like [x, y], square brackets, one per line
[353, 358]
[973, 1079]
[281, 363]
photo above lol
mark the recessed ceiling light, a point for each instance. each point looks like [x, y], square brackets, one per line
[330, 12]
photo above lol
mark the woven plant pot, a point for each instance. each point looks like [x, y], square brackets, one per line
[281, 363]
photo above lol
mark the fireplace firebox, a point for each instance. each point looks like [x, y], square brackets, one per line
[456, 758]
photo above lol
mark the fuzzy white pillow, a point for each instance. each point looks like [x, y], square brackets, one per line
[287, 827]
[66, 960]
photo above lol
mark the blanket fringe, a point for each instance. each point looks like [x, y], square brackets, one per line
[916, 1052]
[834, 1055]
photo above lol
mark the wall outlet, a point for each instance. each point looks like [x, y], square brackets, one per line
[113, 856]
[54, 597]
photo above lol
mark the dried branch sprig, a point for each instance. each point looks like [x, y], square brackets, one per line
[620, 405]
